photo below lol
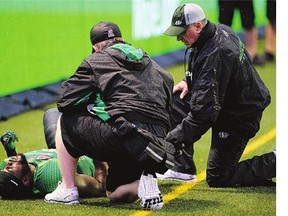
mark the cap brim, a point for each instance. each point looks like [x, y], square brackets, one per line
[174, 30]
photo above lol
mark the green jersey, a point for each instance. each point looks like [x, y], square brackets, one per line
[47, 173]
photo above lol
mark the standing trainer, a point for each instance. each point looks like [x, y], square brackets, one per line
[247, 15]
[223, 91]
[115, 108]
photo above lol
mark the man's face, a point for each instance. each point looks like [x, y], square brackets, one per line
[189, 36]
[16, 165]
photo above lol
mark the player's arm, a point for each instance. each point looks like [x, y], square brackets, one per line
[125, 193]
[88, 186]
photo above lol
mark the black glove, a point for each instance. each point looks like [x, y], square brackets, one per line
[178, 146]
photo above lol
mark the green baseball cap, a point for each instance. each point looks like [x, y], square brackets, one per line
[183, 16]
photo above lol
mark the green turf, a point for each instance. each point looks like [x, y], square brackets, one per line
[200, 200]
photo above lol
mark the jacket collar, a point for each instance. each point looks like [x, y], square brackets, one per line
[207, 32]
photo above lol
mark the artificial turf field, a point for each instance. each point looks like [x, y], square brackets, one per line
[179, 198]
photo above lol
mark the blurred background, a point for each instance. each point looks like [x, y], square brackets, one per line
[43, 41]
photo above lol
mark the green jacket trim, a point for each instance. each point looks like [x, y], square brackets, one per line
[131, 52]
[99, 108]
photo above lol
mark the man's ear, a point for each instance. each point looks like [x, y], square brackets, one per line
[94, 47]
[27, 180]
[198, 27]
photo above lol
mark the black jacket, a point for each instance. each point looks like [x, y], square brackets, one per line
[116, 84]
[224, 85]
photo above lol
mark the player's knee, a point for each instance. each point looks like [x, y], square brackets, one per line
[50, 123]
[218, 179]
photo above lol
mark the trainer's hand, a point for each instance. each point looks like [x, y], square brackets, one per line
[178, 146]
[170, 137]
[181, 86]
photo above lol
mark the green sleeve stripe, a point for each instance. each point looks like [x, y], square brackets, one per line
[82, 100]
[241, 45]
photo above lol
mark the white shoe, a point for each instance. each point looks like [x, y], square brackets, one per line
[149, 193]
[63, 196]
[177, 176]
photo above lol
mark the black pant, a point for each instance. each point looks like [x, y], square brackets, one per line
[185, 162]
[85, 134]
[230, 136]
[246, 9]
[50, 119]
[224, 168]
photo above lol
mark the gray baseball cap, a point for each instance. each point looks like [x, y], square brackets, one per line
[183, 16]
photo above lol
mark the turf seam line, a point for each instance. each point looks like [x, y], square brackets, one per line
[182, 188]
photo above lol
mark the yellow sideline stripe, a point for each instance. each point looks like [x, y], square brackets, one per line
[182, 188]
[261, 141]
